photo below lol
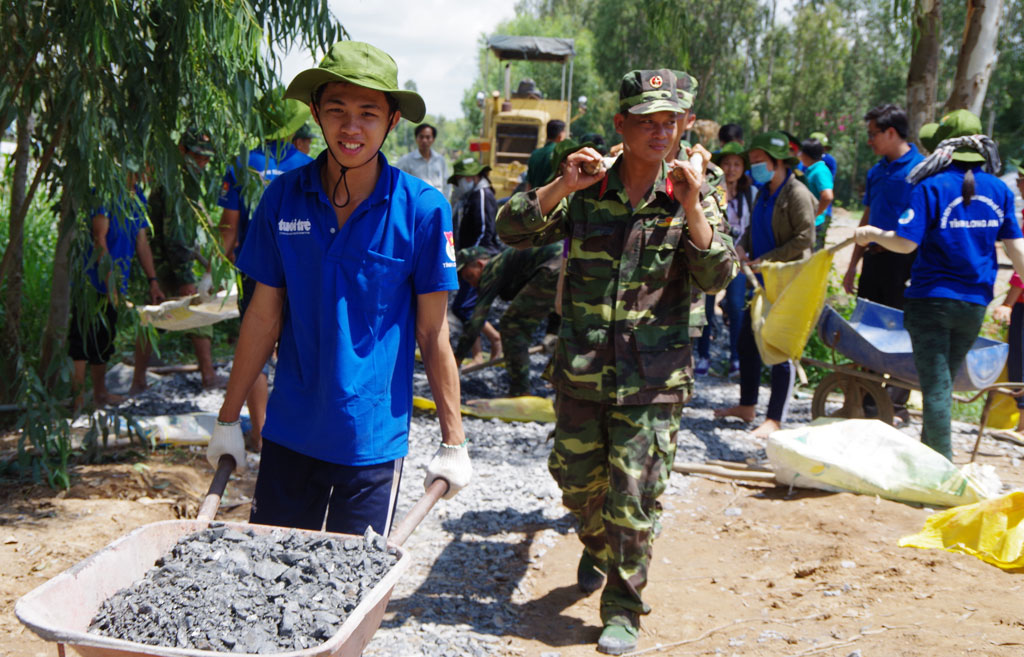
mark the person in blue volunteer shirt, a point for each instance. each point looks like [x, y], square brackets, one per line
[117, 235]
[278, 154]
[781, 230]
[353, 261]
[958, 211]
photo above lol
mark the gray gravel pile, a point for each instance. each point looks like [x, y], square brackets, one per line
[230, 591]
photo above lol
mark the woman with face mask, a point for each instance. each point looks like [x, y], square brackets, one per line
[476, 208]
[781, 230]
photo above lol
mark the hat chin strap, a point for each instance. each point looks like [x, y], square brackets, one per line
[344, 169]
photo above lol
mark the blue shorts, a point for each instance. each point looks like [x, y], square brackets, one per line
[295, 490]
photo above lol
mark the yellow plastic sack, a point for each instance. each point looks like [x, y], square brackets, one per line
[990, 530]
[509, 409]
[1004, 413]
[785, 311]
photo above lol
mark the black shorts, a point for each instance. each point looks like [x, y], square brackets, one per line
[97, 343]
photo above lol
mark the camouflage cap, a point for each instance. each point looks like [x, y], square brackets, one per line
[686, 88]
[198, 142]
[960, 123]
[470, 254]
[467, 167]
[649, 91]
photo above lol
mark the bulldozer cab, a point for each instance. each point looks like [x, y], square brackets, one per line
[514, 122]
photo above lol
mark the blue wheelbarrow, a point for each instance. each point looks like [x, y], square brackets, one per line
[875, 340]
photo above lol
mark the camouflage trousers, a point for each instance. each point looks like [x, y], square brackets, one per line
[612, 463]
[531, 306]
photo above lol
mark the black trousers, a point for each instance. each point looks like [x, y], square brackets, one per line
[782, 377]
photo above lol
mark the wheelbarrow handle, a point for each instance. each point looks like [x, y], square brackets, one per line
[208, 509]
[419, 511]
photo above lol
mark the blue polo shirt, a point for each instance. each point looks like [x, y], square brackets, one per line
[956, 256]
[887, 193]
[126, 220]
[762, 235]
[268, 162]
[343, 387]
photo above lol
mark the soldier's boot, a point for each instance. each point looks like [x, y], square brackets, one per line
[589, 573]
[619, 635]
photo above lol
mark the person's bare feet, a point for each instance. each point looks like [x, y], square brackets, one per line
[110, 399]
[745, 413]
[137, 388]
[216, 382]
[767, 428]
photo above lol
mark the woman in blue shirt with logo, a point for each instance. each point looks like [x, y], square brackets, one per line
[958, 210]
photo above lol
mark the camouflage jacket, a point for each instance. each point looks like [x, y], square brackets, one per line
[627, 291]
[503, 277]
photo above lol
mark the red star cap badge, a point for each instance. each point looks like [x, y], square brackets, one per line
[656, 81]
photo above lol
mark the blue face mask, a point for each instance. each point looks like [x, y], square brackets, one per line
[761, 173]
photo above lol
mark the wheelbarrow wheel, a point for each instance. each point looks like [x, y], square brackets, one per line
[843, 395]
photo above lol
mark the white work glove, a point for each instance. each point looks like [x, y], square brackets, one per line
[451, 464]
[227, 439]
[549, 343]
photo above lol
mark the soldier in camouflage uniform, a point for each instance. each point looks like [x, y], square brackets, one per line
[527, 280]
[622, 367]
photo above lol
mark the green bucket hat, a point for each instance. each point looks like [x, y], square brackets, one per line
[281, 116]
[467, 167]
[470, 254]
[304, 132]
[960, 123]
[822, 139]
[363, 65]
[776, 144]
[649, 91]
[926, 135]
[686, 88]
[732, 148]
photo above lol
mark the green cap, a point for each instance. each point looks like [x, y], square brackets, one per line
[732, 148]
[822, 139]
[198, 142]
[649, 91]
[304, 132]
[776, 144]
[281, 116]
[960, 123]
[467, 167]
[562, 150]
[926, 135]
[363, 65]
[470, 254]
[686, 88]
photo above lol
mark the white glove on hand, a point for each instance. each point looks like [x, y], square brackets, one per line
[227, 439]
[451, 464]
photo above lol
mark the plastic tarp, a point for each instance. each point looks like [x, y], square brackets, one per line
[190, 312]
[531, 47]
[991, 530]
[509, 409]
[786, 309]
[872, 458]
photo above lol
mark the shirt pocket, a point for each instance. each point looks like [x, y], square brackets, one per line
[659, 256]
[372, 282]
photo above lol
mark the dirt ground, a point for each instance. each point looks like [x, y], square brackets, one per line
[738, 570]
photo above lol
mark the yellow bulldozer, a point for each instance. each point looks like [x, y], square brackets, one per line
[514, 122]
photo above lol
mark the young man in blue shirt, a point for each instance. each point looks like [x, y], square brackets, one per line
[353, 261]
[820, 181]
[278, 155]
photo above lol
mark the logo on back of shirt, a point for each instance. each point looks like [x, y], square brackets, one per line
[906, 217]
[450, 246]
[294, 227]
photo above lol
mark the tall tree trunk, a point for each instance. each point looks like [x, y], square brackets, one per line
[922, 79]
[55, 333]
[977, 56]
[11, 268]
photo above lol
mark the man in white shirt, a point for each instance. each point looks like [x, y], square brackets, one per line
[425, 163]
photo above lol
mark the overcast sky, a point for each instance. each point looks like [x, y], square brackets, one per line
[433, 42]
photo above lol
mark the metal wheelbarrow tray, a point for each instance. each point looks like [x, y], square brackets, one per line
[61, 609]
